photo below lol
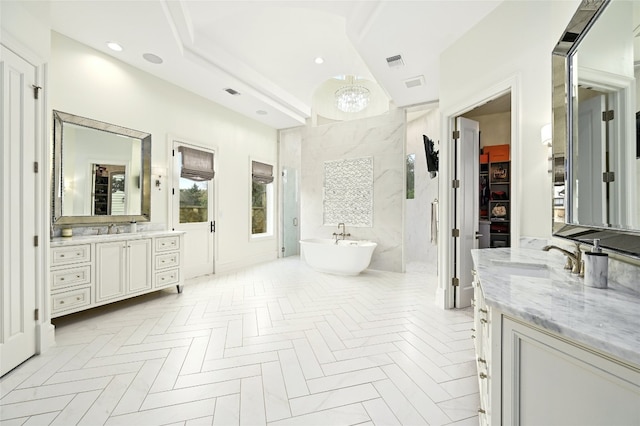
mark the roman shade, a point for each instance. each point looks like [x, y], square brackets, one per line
[196, 165]
[261, 173]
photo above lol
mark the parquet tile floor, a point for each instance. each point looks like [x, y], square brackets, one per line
[275, 344]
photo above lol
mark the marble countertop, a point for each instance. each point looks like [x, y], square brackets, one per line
[86, 239]
[533, 286]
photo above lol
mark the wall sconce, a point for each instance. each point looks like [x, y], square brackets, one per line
[546, 135]
[157, 176]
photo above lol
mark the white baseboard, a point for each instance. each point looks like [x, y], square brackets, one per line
[46, 337]
[441, 299]
[245, 262]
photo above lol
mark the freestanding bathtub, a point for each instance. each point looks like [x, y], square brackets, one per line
[348, 257]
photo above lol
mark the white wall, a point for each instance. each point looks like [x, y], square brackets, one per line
[21, 26]
[495, 129]
[381, 137]
[88, 83]
[514, 42]
[419, 247]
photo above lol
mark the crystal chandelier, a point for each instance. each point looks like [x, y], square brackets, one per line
[352, 98]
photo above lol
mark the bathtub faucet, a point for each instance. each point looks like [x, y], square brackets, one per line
[343, 234]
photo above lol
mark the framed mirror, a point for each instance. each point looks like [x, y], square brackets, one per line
[596, 149]
[101, 172]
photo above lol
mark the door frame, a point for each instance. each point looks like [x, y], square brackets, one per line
[446, 256]
[157, 174]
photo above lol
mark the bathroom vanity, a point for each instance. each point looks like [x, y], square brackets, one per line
[89, 271]
[549, 349]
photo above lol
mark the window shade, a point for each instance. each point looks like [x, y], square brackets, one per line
[196, 165]
[262, 173]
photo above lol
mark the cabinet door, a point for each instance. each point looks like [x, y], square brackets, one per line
[548, 380]
[139, 262]
[110, 270]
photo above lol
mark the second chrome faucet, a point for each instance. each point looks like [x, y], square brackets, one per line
[574, 260]
[343, 234]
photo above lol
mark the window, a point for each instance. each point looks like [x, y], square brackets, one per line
[411, 176]
[194, 202]
[261, 199]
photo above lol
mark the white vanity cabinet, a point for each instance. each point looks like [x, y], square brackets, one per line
[487, 357]
[528, 374]
[92, 271]
[122, 268]
[167, 261]
[553, 381]
[71, 277]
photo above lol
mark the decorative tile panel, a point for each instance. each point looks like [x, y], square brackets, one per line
[348, 192]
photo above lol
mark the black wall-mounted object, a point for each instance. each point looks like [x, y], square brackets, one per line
[432, 155]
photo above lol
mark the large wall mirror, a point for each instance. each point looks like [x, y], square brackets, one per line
[101, 172]
[596, 119]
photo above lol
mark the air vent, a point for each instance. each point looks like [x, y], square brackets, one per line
[395, 61]
[232, 92]
[414, 82]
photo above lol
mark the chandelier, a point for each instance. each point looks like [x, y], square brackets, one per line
[352, 98]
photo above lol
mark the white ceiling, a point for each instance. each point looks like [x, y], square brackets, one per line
[265, 49]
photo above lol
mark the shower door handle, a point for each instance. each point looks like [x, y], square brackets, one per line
[295, 221]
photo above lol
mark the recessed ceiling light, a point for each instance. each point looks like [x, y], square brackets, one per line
[318, 60]
[261, 112]
[114, 46]
[154, 59]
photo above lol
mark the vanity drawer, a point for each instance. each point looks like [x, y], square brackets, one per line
[167, 277]
[69, 277]
[169, 260]
[70, 254]
[167, 243]
[68, 300]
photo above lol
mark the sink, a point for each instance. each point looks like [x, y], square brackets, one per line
[524, 269]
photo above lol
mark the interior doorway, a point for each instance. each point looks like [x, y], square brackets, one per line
[482, 198]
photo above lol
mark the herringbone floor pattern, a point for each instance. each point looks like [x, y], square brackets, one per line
[275, 344]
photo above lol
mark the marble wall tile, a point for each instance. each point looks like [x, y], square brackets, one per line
[381, 138]
[623, 271]
[79, 230]
[418, 245]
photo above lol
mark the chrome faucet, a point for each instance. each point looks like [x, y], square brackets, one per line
[343, 234]
[110, 229]
[574, 260]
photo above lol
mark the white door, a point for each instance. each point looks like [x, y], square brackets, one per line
[467, 209]
[193, 212]
[589, 156]
[17, 215]
[290, 208]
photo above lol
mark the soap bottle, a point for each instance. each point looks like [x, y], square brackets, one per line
[596, 266]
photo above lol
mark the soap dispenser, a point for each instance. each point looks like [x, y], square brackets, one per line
[596, 267]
